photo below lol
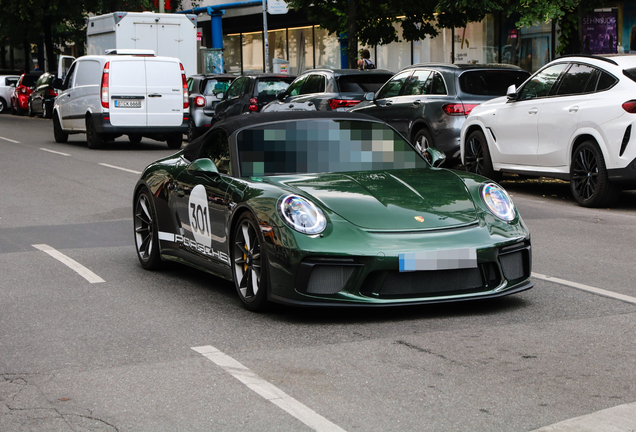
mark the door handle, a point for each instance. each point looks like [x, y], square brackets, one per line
[533, 111]
[388, 103]
[417, 102]
[154, 95]
[573, 109]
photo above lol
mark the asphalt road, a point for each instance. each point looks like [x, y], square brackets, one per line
[118, 355]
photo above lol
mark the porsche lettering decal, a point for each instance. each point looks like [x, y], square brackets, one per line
[195, 246]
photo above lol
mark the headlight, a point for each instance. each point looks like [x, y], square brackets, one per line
[301, 214]
[498, 201]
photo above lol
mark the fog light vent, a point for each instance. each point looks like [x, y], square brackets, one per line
[328, 279]
[514, 265]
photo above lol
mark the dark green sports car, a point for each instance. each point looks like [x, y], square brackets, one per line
[311, 208]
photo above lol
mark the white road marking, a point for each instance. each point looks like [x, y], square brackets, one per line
[10, 140]
[120, 168]
[621, 418]
[587, 288]
[268, 391]
[53, 151]
[71, 263]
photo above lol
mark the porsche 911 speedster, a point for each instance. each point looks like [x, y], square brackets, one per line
[330, 209]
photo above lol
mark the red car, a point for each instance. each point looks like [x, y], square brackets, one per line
[20, 96]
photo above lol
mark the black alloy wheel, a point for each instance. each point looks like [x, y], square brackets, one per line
[93, 139]
[60, 136]
[422, 141]
[477, 157]
[249, 264]
[589, 183]
[146, 232]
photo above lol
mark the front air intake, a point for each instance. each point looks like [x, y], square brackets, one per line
[328, 279]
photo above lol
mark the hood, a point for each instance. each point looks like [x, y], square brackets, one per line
[412, 199]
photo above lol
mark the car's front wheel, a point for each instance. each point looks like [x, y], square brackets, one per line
[146, 231]
[477, 156]
[249, 263]
[422, 141]
[60, 136]
[30, 109]
[589, 183]
[93, 139]
[3, 105]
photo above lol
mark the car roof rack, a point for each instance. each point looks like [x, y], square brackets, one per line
[602, 58]
[142, 52]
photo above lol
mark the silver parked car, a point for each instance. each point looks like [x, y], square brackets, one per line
[7, 84]
[428, 103]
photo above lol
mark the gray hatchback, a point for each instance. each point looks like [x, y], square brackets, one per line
[428, 103]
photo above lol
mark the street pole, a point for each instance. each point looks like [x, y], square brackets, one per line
[265, 37]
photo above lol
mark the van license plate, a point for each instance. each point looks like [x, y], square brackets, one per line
[127, 103]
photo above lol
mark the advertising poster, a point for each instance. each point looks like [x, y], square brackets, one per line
[600, 33]
[629, 27]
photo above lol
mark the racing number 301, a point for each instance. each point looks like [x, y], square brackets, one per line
[200, 218]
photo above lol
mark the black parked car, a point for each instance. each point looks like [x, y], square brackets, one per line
[329, 89]
[206, 91]
[428, 103]
[43, 97]
[250, 93]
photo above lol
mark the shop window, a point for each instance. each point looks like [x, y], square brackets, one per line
[232, 54]
[252, 52]
[327, 48]
[475, 44]
[301, 50]
[527, 47]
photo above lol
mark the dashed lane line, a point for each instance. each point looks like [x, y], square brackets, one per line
[621, 418]
[10, 140]
[55, 152]
[268, 391]
[71, 263]
[587, 288]
[120, 168]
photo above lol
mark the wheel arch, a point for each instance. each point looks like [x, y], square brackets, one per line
[466, 133]
[417, 126]
[588, 136]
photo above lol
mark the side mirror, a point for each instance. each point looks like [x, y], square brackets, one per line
[512, 92]
[219, 95]
[203, 167]
[58, 84]
[369, 96]
[280, 95]
[435, 157]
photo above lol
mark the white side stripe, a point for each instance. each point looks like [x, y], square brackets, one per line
[268, 391]
[120, 168]
[53, 151]
[587, 288]
[10, 140]
[166, 236]
[71, 263]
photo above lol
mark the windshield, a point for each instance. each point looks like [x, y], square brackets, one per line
[29, 80]
[318, 146]
[362, 83]
[490, 82]
[214, 87]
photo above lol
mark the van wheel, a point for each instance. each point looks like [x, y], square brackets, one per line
[93, 139]
[174, 141]
[134, 138]
[60, 136]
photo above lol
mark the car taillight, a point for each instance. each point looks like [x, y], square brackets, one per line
[23, 90]
[186, 103]
[51, 93]
[199, 101]
[630, 106]
[104, 88]
[342, 103]
[253, 104]
[458, 109]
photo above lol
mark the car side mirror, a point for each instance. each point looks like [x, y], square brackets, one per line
[511, 93]
[58, 84]
[435, 157]
[281, 95]
[369, 96]
[203, 167]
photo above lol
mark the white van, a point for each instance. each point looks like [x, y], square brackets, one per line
[125, 92]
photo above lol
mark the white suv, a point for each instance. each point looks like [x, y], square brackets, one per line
[571, 120]
[126, 92]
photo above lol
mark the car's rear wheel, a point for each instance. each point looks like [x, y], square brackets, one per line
[93, 139]
[250, 263]
[3, 105]
[589, 183]
[422, 141]
[46, 112]
[192, 131]
[60, 136]
[18, 109]
[477, 156]
[30, 110]
[134, 138]
[174, 141]
[146, 232]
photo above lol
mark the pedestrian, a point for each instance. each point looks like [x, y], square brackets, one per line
[365, 62]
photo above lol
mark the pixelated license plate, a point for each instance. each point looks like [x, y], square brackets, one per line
[438, 260]
[127, 103]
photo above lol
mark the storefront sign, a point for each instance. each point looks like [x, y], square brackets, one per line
[276, 7]
[600, 33]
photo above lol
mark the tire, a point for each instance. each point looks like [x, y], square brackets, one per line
[192, 131]
[174, 141]
[146, 231]
[93, 139]
[30, 110]
[60, 136]
[422, 141]
[46, 113]
[589, 183]
[477, 156]
[3, 105]
[18, 109]
[134, 138]
[249, 263]
[13, 110]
